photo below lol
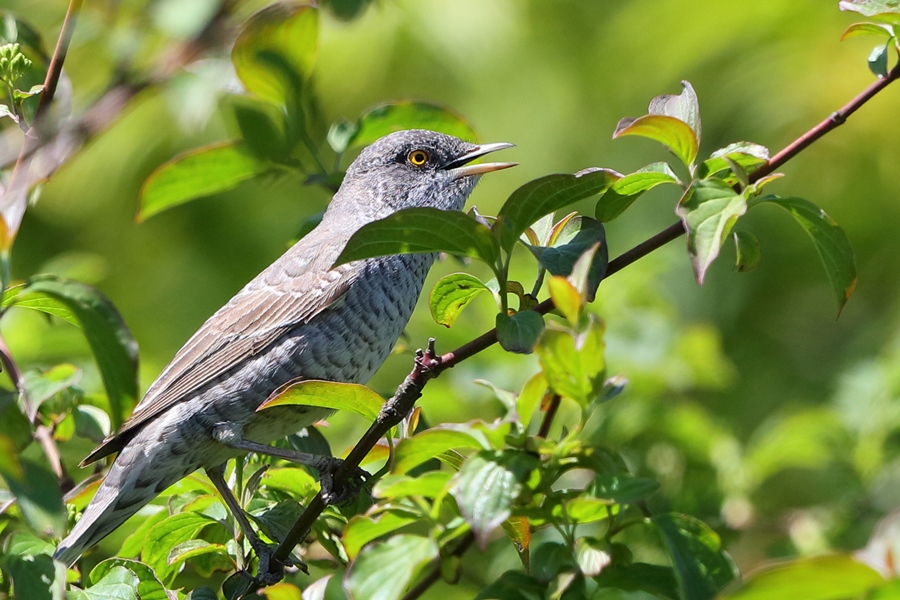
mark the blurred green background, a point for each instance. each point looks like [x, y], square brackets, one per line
[759, 412]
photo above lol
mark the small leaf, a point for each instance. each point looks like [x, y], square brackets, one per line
[546, 195]
[708, 210]
[565, 298]
[117, 584]
[427, 485]
[684, 107]
[860, 29]
[257, 122]
[629, 188]
[592, 555]
[818, 578]
[42, 385]
[384, 570]
[674, 134]
[878, 60]
[362, 529]
[520, 332]
[340, 134]
[871, 8]
[197, 173]
[533, 392]
[285, 591]
[396, 116]
[107, 334]
[701, 566]
[353, 397]
[422, 231]
[37, 492]
[413, 451]
[451, 294]
[513, 585]
[579, 236]
[623, 489]
[519, 531]
[573, 363]
[487, 486]
[287, 30]
[747, 155]
[167, 534]
[830, 241]
[746, 250]
[653, 579]
[148, 586]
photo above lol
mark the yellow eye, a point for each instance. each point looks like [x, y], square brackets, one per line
[417, 158]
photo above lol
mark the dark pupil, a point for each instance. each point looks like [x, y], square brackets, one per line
[418, 157]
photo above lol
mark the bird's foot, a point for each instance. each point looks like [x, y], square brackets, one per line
[331, 494]
[272, 570]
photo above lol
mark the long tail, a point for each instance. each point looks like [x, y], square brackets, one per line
[133, 480]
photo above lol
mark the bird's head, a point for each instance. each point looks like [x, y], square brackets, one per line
[415, 168]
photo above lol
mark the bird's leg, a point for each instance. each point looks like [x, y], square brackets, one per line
[325, 465]
[262, 550]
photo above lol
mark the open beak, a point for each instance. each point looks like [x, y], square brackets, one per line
[459, 166]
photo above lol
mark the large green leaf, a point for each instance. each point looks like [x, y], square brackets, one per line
[197, 173]
[148, 586]
[396, 116]
[118, 583]
[486, 487]
[545, 195]
[413, 451]
[422, 230]
[289, 31]
[111, 341]
[708, 210]
[353, 397]
[830, 241]
[674, 134]
[573, 363]
[384, 570]
[167, 534]
[701, 566]
[834, 577]
[362, 529]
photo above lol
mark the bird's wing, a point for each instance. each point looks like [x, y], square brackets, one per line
[265, 309]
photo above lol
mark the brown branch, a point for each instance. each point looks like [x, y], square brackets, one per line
[411, 389]
[549, 415]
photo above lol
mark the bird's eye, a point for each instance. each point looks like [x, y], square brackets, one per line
[417, 158]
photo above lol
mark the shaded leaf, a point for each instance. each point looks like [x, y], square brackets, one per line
[708, 210]
[451, 294]
[830, 241]
[396, 116]
[629, 188]
[747, 252]
[623, 489]
[384, 570]
[579, 235]
[513, 585]
[520, 332]
[545, 195]
[674, 134]
[38, 495]
[262, 136]
[363, 529]
[353, 397]
[422, 231]
[654, 579]
[287, 30]
[701, 566]
[878, 60]
[818, 578]
[197, 173]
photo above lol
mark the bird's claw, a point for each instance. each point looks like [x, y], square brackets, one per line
[348, 488]
[272, 570]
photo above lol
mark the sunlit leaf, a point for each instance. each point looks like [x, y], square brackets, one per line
[674, 134]
[708, 210]
[748, 156]
[860, 29]
[684, 107]
[384, 570]
[427, 485]
[871, 8]
[195, 174]
[545, 195]
[340, 134]
[396, 116]
[520, 332]
[746, 250]
[565, 298]
[414, 451]
[701, 566]
[592, 555]
[353, 397]
[148, 586]
[487, 486]
[167, 534]
[118, 583]
[287, 30]
[629, 188]
[818, 578]
[830, 241]
[363, 529]
[451, 294]
[573, 363]
[422, 230]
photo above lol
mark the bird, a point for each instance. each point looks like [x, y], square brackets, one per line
[300, 319]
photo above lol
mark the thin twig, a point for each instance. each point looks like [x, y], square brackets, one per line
[549, 415]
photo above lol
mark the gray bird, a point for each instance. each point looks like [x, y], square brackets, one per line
[298, 319]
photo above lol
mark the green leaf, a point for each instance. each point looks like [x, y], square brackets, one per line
[107, 334]
[413, 451]
[451, 294]
[746, 250]
[629, 188]
[701, 566]
[579, 235]
[592, 555]
[520, 332]
[384, 570]
[684, 107]
[830, 241]
[428, 485]
[487, 486]
[34, 574]
[573, 362]
[623, 489]
[708, 210]
[396, 116]
[872, 8]
[340, 134]
[674, 134]
[190, 548]
[285, 591]
[878, 60]
[135, 541]
[513, 585]
[353, 397]
[118, 583]
[148, 587]
[15, 428]
[276, 521]
[545, 195]
[637, 576]
[167, 534]
[262, 135]
[422, 231]
[821, 578]
[362, 529]
[565, 298]
[287, 30]
[42, 385]
[197, 173]
[860, 29]
[746, 155]
[37, 493]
